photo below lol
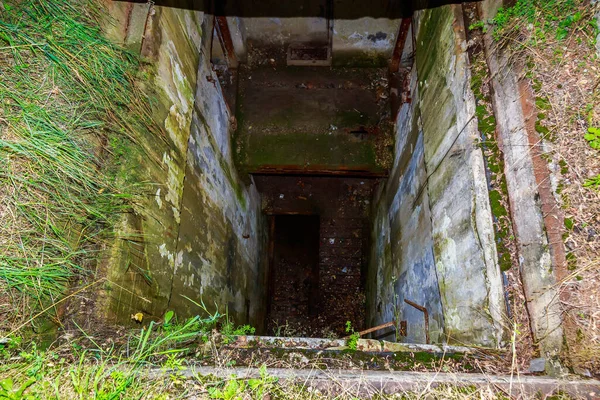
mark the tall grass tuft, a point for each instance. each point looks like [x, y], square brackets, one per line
[68, 103]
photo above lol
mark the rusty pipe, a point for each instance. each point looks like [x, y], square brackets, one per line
[425, 315]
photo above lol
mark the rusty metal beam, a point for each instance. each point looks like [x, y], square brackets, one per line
[226, 41]
[400, 43]
[375, 328]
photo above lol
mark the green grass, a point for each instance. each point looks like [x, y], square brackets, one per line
[91, 368]
[66, 94]
[549, 19]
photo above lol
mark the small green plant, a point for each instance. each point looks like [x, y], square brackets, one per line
[569, 223]
[545, 20]
[564, 26]
[9, 391]
[237, 389]
[592, 182]
[593, 137]
[478, 25]
[285, 330]
[230, 331]
[352, 341]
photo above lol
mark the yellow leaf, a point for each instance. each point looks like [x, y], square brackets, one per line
[137, 317]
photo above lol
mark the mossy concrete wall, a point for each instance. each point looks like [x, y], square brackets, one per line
[402, 265]
[539, 257]
[433, 235]
[470, 281]
[221, 243]
[313, 120]
[141, 264]
[188, 229]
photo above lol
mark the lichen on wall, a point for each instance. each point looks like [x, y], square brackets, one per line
[141, 261]
[514, 108]
[196, 237]
[219, 258]
[464, 248]
[312, 119]
[402, 263]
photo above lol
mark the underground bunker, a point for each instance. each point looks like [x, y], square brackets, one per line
[325, 172]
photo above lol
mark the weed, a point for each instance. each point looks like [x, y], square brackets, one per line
[478, 25]
[9, 392]
[352, 341]
[592, 182]
[234, 389]
[593, 137]
[285, 330]
[109, 372]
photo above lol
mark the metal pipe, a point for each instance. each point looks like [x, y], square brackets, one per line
[425, 314]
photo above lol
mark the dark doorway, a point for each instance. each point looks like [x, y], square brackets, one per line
[343, 207]
[294, 277]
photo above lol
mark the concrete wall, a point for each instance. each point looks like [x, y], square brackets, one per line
[220, 242]
[186, 237]
[141, 263]
[433, 232]
[466, 259]
[312, 119]
[273, 31]
[364, 42]
[402, 264]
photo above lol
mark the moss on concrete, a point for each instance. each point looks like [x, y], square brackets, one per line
[498, 192]
[360, 59]
[323, 151]
[311, 118]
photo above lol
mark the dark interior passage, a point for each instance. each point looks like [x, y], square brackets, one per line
[294, 273]
[304, 301]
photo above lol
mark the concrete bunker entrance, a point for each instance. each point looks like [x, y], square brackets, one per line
[406, 238]
[343, 182]
[354, 185]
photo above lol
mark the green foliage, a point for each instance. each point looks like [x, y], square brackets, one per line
[545, 19]
[592, 182]
[69, 107]
[111, 372]
[238, 389]
[168, 317]
[352, 341]
[9, 391]
[569, 223]
[478, 25]
[566, 24]
[593, 137]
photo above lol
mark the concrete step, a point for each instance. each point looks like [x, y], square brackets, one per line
[370, 383]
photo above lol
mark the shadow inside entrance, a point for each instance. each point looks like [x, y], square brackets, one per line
[294, 276]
